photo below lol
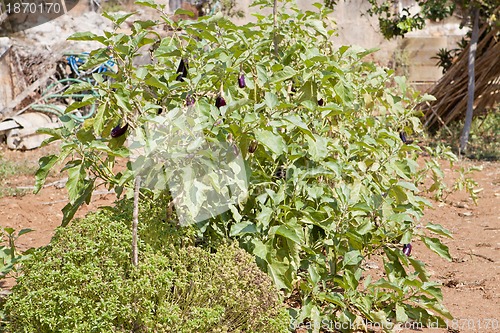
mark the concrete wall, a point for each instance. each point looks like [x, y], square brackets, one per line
[6, 92]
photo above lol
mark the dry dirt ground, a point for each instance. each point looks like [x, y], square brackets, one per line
[471, 282]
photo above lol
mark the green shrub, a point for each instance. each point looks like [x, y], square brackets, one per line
[84, 282]
[332, 179]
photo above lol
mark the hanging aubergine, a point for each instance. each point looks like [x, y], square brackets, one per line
[182, 70]
[119, 131]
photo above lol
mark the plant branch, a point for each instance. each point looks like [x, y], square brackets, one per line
[275, 23]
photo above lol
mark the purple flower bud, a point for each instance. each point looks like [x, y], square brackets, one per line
[241, 81]
[321, 102]
[118, 131]
[407, 249]
[220, 101]
[190, 100]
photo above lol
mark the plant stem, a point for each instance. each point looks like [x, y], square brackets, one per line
[464, 138]
[275, 39]
[135, 222]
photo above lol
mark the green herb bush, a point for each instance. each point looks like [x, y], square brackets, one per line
[84, 282]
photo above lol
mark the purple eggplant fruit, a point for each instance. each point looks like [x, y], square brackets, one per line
[402, 136]
[182, 70]
[118, 131]
[241, 81]
[407, 249]
[280, 172]
[220, 101]
[253, 146]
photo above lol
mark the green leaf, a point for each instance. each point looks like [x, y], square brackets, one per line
[334, 298]
[71, 208]
[434, 244]
[352, 258]
[428, 98]
[289, 233]
[242, 228]
[117, 17]
[272, 141]
[77, 87]
[401, 316]
[419, 267]
[147, 3]
[181, 11]
[317, 147]
[278, 272]
[75, 183]
[44, 165]
[264, 216]
[24, 231]
[87, 36]
[439, 229]
[297, 121]
[87, 100]
[286, 73]
[9, 230]
[271, 100]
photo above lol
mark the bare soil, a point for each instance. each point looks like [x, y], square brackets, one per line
[471, 282]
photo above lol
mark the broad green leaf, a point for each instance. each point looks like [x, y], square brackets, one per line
[264, 216]
[272, 141]
[278, 272]
[71, 208]
[147, 3]
[435, 245]
[286, 73]
[86, 101]
[297, 121]
[401, 316]
[419, 267]
[289, 233]
[427, 98]
[439, 229]
[181, 11]
[76, 181]
[352, 258]
[117, 17]
[77, 87]
[87, 36]
[317, 147]
[44, 165]
[242, 228]
[271, 100]
[333, 297]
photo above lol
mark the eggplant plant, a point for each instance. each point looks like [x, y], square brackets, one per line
[319, 178]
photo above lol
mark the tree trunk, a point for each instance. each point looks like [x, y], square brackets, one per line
[464, 138]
